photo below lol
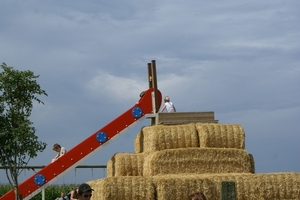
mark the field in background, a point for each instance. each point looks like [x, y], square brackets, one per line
[51, 192]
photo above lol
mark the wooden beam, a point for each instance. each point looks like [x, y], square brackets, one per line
[186, 117]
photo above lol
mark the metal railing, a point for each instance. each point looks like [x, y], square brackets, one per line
[42, 166]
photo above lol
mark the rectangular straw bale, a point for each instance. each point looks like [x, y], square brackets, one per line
[262, 186]
[197, 160]
[180, 187]
[221, 135]
[138, 142]
[95, 184]
[278, 186]
[125, 164]
[157, 138]
[124, 188]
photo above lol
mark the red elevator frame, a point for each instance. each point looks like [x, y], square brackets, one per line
[147, 106]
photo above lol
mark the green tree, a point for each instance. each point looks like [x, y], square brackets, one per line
[18, 91]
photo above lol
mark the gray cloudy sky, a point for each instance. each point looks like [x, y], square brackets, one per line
[239, 59]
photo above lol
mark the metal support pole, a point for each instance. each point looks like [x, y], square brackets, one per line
[20, 197]
[43, 194]
[150, 81]
[153, 64]
[149, 75]
[155, 84]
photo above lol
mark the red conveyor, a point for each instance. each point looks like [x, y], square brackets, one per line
[86, 148]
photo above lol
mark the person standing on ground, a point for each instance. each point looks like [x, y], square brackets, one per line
[72, 195]
[169, 106]
[62, 195]
[84, 191]
[60, 150]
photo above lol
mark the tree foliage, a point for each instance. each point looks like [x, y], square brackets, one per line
[18, 91]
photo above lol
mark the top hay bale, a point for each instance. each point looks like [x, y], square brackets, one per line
[207, 135]
[157, 138]
[221, 135]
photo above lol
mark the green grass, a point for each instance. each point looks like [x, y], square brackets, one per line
[51, 192]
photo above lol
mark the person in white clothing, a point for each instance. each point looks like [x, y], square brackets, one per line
[168, 106]
[60, 150]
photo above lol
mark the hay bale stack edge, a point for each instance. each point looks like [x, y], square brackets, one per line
[275, 186]
[175, 161]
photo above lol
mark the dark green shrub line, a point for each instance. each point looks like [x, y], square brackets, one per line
[51, 192]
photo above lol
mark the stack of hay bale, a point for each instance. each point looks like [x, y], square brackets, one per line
[173, 162]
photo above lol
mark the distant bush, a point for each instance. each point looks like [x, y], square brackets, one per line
[51, 192]
[4, 188]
